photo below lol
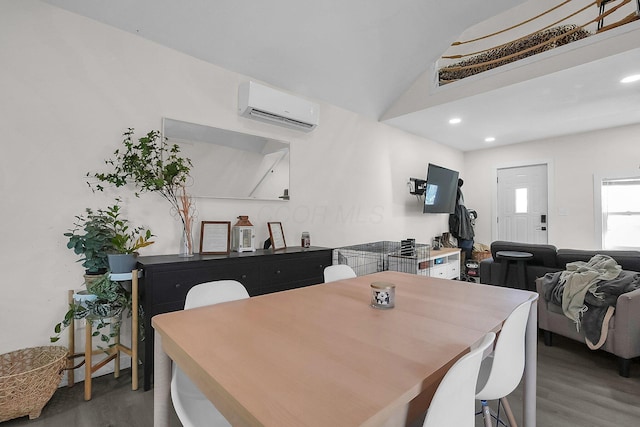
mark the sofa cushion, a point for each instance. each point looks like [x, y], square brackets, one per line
[628, 260]
[544, 255]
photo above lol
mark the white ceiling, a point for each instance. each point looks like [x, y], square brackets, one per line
[364, 56]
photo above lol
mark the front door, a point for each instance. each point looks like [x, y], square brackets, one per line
[522, 204]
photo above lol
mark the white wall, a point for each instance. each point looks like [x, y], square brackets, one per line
[573, 161]
[70, 86]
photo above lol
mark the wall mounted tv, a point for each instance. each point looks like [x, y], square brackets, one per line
[441, 190]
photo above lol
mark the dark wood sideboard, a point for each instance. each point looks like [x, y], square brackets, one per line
[168, 278]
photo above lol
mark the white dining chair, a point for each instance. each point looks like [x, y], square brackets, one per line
[454, 400]
[191, 406]
[501, 372]
[338, 272]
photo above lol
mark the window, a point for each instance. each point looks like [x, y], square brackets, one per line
[521, 200]
[620, 209]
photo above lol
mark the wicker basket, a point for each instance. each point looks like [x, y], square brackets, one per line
[480, 255]
[28, 379]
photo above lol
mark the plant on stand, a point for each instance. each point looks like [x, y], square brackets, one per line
[92, 238]
[126, 241]
[98, 235]
[152, 165]
[103, 304]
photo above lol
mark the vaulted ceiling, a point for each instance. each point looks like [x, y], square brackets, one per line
[375, 58]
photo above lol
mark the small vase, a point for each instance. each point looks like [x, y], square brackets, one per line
[186, 243]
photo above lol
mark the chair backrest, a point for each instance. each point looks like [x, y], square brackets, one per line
[192, 407]
[338, 272]
[507, 360]
[214, 292]
[453, 403]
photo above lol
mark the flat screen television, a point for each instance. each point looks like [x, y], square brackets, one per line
[440, 190]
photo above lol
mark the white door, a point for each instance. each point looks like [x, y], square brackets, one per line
[522, 204]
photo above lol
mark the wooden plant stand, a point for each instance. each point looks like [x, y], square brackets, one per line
[113, 352]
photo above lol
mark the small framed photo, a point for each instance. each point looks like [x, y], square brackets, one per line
[215, 237]
[277, 235]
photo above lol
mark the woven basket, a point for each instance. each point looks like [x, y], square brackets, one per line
[28, 379]
[480, 255]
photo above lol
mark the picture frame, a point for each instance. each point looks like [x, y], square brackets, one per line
[276, 234]
[215, 237]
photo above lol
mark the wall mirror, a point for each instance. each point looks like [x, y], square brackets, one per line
[229, 164]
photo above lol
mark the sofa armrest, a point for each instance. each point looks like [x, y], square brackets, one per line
[627, 325]
[543, 318]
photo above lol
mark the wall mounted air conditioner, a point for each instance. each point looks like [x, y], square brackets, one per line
[263, 103]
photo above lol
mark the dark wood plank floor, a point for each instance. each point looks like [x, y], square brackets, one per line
[577, 387]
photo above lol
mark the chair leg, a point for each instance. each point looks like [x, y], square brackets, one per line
[486, 414]
[547, 338]
[624, 367]
[507, 409]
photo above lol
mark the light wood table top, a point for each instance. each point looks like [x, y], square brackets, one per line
[322, 356]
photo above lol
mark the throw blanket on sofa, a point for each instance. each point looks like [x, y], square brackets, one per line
[581, 277]
[599, 296]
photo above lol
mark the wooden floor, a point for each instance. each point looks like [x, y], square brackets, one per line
[576, 387]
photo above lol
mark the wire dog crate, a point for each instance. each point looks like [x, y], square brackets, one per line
[366, 258]
[415, 262]
[372, 257]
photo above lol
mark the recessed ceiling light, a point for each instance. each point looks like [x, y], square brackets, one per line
[630, 79]
[489, 139]
[455, 120]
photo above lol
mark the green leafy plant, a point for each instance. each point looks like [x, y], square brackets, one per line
[126, 240]
[105, 311]
[150, 164]
[92, 238]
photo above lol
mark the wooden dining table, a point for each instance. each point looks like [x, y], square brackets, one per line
[323, 356]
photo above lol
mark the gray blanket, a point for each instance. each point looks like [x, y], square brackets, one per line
[596, 303]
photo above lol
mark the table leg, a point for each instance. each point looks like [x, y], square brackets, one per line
[530, 368]
[522, 274]
[161, 384]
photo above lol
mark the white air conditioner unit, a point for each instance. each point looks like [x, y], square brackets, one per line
[263, 103]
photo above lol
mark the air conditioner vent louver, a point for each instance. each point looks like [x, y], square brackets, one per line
[269, 105]
[275, 117]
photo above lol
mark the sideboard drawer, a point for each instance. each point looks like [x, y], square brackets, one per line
[173, 285]
[281, 270]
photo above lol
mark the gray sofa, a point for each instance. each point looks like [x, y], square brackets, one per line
[623, 339]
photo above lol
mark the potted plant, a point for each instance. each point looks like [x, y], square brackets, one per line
[92, 238]
[152, 165]
[126, 241]
[103, 304]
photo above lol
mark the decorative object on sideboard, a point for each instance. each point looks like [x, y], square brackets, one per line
[215, 237]
[187, 214]
[276, 233]
[152, 165]
[305, 239]
[243, 235]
